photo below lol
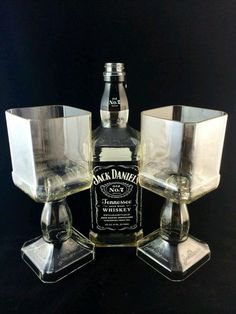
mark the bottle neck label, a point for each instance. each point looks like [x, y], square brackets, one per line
[114, 97]
[114, 104]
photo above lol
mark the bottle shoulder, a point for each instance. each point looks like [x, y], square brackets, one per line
[116, 144]
[116, 137]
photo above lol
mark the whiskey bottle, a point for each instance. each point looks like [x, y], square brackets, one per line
[115, 192]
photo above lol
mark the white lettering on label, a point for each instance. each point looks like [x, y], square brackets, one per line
[114, 175]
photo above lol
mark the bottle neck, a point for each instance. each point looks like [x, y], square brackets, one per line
[114, 108]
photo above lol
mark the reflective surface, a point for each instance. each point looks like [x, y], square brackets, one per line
[53, 261]
[181, 155]
[181, 151]
[50, 150]
[175, 260]
[51, 159]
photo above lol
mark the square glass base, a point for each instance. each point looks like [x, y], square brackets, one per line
[176, 261]
[53, 261]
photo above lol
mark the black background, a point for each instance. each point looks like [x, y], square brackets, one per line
[180, 52]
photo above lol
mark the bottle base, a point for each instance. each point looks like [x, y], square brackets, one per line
[116, 239]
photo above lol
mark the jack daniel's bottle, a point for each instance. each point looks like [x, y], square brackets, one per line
[115, 193]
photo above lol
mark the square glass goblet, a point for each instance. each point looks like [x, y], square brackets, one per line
[51, 158]
[180, 160]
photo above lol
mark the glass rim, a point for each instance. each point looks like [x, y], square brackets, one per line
[221, 114]
[83, 112]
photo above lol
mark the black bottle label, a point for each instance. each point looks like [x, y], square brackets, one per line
[115, 197]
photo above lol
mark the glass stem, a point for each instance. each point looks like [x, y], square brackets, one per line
[174, 225]
[56, 221]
